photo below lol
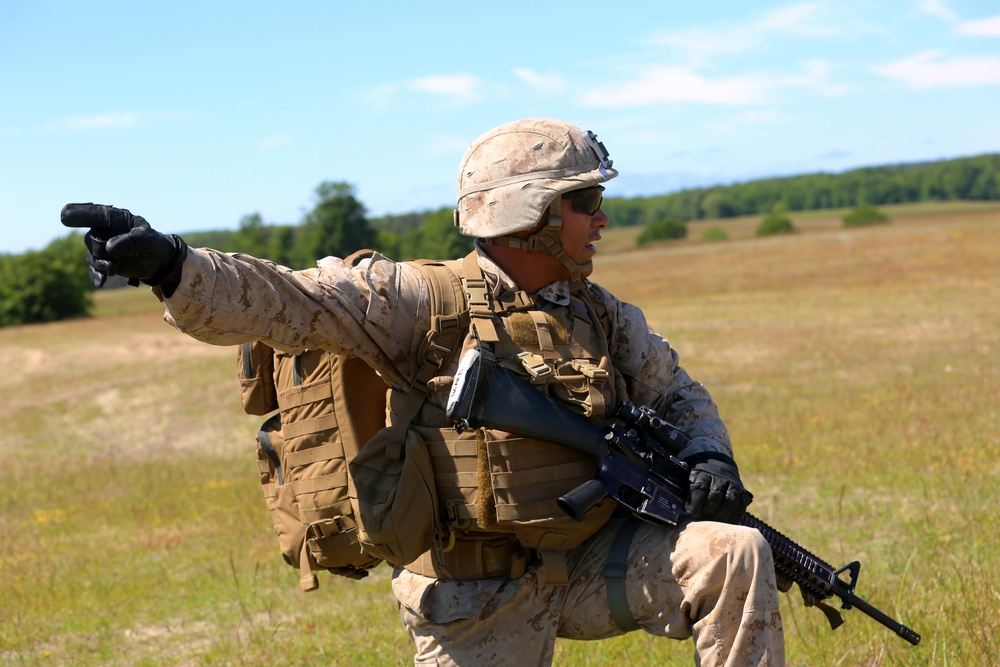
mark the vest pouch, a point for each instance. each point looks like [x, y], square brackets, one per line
[255, 368]
[287, 526]
[562, 533]
[393, 497]
[552, 538]
[338, 536]
[278, 496]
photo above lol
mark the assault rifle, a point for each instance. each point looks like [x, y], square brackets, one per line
[638, 468]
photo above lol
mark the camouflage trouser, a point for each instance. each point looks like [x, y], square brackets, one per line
[710, 581]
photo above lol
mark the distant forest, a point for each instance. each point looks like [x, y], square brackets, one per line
[975, 178]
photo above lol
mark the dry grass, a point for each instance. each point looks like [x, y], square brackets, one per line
[856, 370]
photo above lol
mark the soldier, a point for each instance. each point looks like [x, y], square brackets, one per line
[515, 574]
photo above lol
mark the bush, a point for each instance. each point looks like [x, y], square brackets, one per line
[864, 215]
[714, 234]
[776, 223]
[663, 230]
[44, 286]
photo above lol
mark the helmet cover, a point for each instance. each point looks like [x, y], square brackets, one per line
[510, 175]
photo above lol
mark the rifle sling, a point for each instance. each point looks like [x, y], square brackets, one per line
[614, 576]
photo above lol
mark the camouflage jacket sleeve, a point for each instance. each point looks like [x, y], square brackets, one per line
[377, 311]
[654, 377]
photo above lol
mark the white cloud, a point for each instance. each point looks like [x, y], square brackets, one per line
[460, 89]
[665, 84]
[938, 8]
[679, 84]
[988, 27]
[103, 121]
[456, 89]
[809, 20]
[929, 70]
[547, 83]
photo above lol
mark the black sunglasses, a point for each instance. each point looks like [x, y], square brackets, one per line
[586, 200]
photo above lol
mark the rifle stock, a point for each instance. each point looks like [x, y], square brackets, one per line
[637, 468]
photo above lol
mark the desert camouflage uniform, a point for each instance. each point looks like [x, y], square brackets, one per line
[708, 580]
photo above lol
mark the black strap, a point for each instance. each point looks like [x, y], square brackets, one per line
[614, 576]
[264, 437]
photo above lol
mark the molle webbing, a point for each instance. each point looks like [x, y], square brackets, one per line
[303, 454]
[528, 475]
[519, 477]
[314, 459]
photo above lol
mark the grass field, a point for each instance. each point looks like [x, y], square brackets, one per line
[857, 371]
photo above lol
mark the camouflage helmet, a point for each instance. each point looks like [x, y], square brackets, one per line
[510, 175]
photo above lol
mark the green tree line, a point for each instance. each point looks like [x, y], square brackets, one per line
[974, 178]
[337, 226]
[52, 284]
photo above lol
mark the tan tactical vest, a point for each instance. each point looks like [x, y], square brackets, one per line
[498, 491]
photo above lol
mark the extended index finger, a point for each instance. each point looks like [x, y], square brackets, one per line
[92, 216]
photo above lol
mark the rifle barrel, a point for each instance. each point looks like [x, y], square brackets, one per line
[852, 600]
[818, 578]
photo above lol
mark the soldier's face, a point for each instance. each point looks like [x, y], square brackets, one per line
[580, 231]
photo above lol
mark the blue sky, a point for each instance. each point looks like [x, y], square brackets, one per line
[194, 114]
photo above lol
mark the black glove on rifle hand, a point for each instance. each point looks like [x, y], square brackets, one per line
[122, 244]
[716, 493]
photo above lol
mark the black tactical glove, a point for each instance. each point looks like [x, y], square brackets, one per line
[122, 244]
[716, 492]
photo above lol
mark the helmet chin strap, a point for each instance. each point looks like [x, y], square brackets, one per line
[545, 239]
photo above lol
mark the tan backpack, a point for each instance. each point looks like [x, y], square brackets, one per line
[330, 408]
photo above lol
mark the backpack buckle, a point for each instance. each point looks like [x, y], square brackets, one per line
[446, 323]
[327, 527]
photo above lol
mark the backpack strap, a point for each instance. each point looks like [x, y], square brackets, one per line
[449, 318]
[449, 324]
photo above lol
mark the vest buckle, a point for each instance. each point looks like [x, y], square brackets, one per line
[596, 374]
[535, 365]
